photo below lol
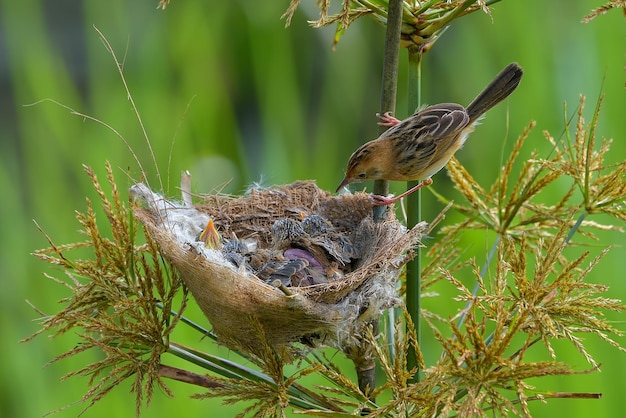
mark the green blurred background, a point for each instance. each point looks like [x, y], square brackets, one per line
[225, 91]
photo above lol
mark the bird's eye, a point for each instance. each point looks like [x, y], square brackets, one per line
[362, 175]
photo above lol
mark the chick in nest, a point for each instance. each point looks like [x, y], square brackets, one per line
[323, 232]
[303, 253]
[323, 246]
[292, 267]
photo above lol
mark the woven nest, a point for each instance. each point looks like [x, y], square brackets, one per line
[243, 308]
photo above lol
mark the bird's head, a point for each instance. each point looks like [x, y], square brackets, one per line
[365, 164]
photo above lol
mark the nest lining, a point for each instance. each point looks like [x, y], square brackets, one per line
[236, 302]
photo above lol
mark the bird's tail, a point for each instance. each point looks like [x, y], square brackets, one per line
[498, 90]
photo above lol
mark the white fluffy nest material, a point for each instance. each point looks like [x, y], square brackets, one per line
[239, 305]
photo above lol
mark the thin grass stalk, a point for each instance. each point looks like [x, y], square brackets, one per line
[483, 273]
[388, 99]
[367, 377]
[414, 211]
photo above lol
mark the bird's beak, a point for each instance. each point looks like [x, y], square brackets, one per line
[343, 184]
[210, 236]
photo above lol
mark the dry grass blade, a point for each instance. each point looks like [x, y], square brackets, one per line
[114, 300]
[614, 4]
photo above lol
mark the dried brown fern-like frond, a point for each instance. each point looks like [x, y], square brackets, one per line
[509, 213]
[601, 184]
[523, 210]
[613, 4]
[557, 303]
[121, 301]
[422, 22]
[538, 292]
[483, 365]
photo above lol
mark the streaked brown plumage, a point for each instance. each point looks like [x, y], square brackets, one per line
[421, 145]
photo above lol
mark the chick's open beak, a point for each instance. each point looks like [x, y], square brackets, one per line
[210, 236]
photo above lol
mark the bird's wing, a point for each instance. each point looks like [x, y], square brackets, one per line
[425, 137]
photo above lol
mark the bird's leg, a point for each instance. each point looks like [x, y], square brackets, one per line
[387, 119]
[384, 201]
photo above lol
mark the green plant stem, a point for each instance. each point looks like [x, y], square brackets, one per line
[298, 395]
[389, 83]
[483, 273]
[414, 209]
[575, 227]
[364, 360]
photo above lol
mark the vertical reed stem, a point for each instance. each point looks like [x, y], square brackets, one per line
[389, 83]
[363, 356]
[414, 210]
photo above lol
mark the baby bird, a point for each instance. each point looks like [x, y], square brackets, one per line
[324, 253]
[421, 145]
[323, 233]
[209, 235]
